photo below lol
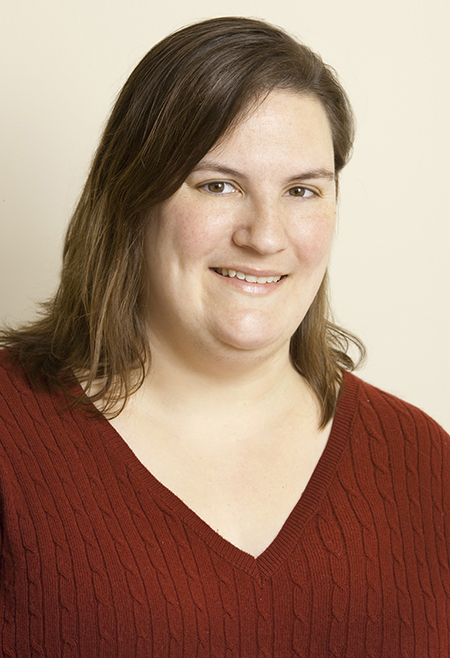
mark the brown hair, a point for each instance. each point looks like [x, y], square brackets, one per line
[182, 97]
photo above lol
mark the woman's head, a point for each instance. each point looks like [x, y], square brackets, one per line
[186, 93]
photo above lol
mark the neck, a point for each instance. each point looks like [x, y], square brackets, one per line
[224, 392]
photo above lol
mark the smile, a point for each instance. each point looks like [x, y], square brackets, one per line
[250, 278]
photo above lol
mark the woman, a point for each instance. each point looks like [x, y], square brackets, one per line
[188, 468]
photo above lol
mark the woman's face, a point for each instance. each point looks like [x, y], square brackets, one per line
[237, 254]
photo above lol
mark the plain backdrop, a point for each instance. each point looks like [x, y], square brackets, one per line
[64, 61]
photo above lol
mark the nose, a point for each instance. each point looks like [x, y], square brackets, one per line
[262, 228]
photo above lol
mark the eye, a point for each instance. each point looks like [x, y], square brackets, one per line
[298, 191]
[218, 187]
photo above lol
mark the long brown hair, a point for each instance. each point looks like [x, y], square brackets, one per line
[182, 97]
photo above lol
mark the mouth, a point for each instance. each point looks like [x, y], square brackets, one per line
[250, 278]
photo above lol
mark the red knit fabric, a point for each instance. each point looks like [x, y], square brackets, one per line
[100, 560]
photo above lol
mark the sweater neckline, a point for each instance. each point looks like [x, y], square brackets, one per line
[264, 565]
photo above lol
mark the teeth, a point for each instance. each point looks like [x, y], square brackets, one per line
[250, 278]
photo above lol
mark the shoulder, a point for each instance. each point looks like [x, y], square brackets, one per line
[397, 449]
[15, 385]
[13, 380]
[22, 405]
[19, 403]
[381, 412]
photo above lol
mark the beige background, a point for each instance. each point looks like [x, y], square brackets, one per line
[63, 62]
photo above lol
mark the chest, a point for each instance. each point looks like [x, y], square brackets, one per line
[115, 564]
[243, 489]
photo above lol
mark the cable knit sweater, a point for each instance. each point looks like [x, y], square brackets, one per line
[100, 560]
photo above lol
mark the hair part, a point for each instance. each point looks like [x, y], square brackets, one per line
[183, 97]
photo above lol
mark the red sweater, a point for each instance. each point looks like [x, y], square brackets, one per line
[100, 560]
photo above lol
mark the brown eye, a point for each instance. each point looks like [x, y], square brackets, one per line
[216, 187]
[300, 192]
[219, 187]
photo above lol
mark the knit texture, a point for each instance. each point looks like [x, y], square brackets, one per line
[100, 560]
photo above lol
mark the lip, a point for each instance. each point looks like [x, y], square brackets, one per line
[249, 271]
[251, 288]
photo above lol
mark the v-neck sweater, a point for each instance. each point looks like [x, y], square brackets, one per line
[100, 560]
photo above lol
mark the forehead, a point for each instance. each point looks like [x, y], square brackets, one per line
[284, 127]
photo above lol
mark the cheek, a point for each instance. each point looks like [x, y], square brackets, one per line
[314, 239]
[190, 233]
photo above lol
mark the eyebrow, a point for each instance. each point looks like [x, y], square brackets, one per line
[206, 165]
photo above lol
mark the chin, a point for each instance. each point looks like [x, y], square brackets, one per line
[254, 339]
[251, 344]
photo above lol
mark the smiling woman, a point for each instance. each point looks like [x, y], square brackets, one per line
[153, 141]
[187, 465]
